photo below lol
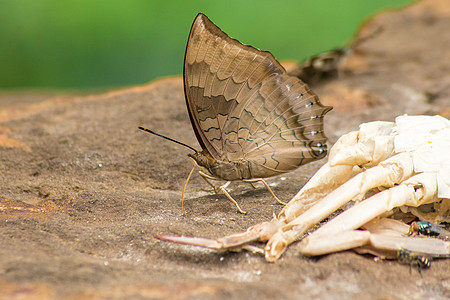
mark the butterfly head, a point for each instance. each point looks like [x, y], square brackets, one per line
[203, 159]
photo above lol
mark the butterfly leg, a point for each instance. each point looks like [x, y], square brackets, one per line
[251, 181]
[184, 189]
[208, 179]
[222, 188]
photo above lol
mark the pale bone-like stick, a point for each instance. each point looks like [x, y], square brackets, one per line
[388, 173]
[387, 226]
[357, 238]
[379, 236]
[417, 190]
[424, 245]
[367, 147]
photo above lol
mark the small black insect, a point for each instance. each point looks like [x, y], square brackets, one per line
[428, 229]
[411, 258]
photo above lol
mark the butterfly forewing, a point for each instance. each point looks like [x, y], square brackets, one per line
[243, 106]
[219, 72]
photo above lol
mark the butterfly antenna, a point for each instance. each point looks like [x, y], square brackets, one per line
[167, 138]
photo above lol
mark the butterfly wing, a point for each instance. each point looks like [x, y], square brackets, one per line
[280, 127]
[243, 105]
[219, 73]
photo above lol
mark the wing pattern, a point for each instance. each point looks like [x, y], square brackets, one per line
[243, 105]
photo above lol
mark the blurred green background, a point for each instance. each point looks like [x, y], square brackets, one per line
[92, 44]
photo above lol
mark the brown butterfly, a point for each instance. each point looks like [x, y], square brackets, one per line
[251, 119]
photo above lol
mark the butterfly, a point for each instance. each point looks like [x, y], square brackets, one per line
[251, 119]
[326, 65]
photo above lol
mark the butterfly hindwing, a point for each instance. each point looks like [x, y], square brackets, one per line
[281, 126]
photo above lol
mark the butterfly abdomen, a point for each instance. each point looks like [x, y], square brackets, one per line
[241, 169]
